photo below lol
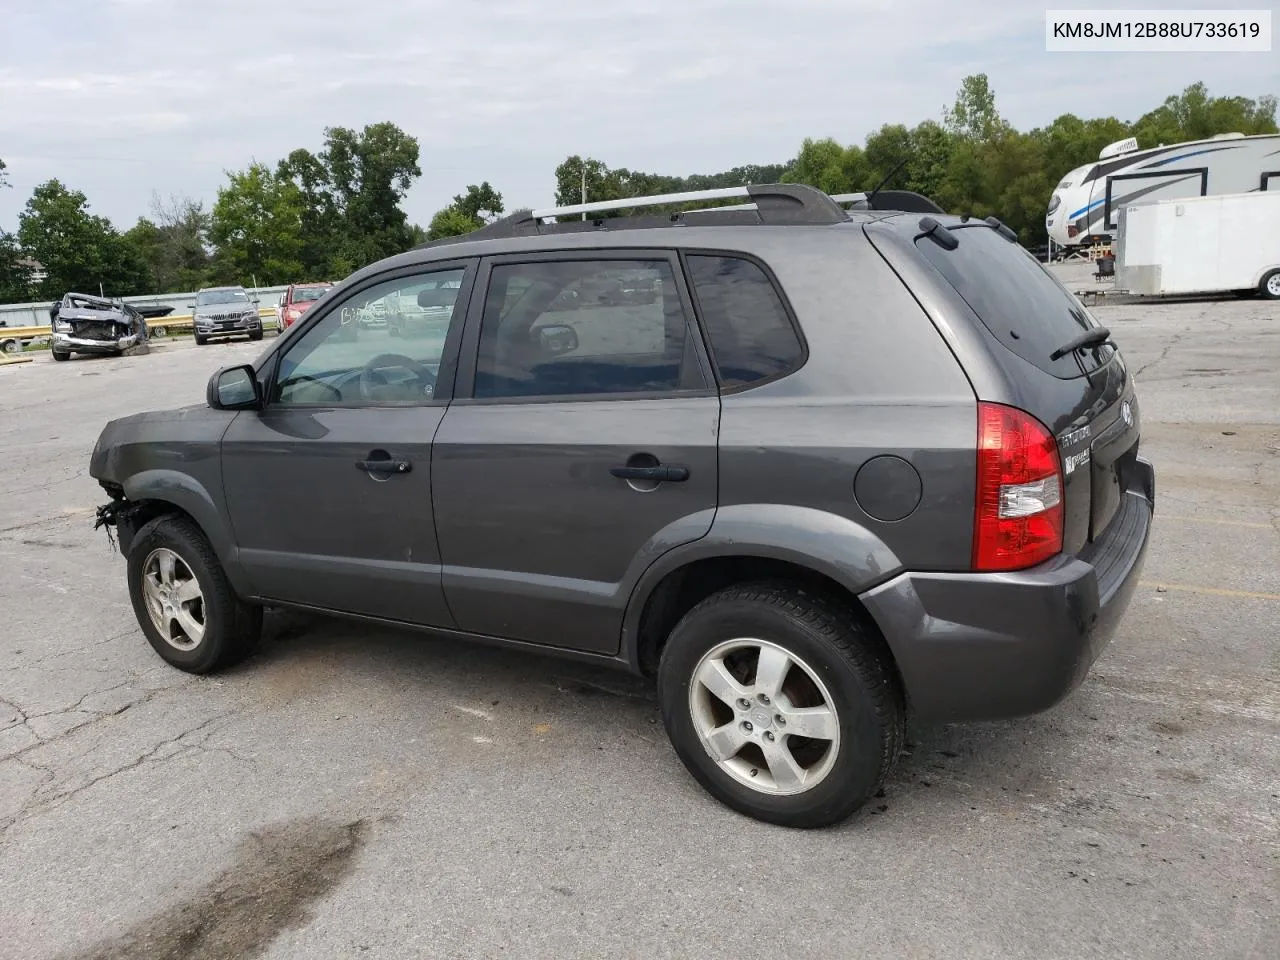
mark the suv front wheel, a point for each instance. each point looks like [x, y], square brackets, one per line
[183, 601]
[779, 704]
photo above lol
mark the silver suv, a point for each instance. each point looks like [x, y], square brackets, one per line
[813, 465]
[223, 312]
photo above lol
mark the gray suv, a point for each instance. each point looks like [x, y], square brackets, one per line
[813, 468]
[223, 312]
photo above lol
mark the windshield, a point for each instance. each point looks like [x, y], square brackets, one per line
[207, 297]
[307, 294]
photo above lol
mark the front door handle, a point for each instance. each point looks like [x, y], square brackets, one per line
[659, 474]
[384, 466]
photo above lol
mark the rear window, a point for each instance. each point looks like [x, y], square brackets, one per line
[1022, 303]
[752, 337]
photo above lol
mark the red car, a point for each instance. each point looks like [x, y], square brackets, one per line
[296, 300]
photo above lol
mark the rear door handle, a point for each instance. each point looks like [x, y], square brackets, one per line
[672, 474]
[384, 466]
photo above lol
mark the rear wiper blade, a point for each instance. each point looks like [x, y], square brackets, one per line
[1098, 335]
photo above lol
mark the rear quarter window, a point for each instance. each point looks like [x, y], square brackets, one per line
[1024, 306]
[751, 335]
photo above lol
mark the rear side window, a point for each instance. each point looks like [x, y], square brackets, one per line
[752, 337]
[585, 327]
[1022, 304]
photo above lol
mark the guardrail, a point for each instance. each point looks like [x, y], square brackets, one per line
[157, 323]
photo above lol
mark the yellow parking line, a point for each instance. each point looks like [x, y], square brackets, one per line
[1211, 591]
[1225, 523]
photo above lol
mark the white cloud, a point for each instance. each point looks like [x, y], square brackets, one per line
[124, 97]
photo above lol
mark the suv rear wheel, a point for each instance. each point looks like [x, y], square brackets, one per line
[779, 705]
[183, 601]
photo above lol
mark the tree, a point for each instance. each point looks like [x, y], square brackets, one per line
[481, 203]
[175, 244]
[15, 271]
[973, 116]
[451, 222]
[1194, 115]
[469, 211]
[78, 251]
[830, 167]
[4, 177]
[257, 228]
[351, 192]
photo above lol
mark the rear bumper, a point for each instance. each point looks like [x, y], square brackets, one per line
[973, 646]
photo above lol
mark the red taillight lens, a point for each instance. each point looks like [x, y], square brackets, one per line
[1019, 502]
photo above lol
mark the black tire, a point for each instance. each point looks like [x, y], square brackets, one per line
[232, 627]
[1269, 286]
[840, 649]
[256, 335]
[201, 341]
[60, 356]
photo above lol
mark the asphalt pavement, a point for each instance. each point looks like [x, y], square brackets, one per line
[361, 792]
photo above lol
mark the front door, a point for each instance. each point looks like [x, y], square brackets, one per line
[581, 446]
[329, 487]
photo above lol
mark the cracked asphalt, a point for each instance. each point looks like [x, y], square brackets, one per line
[353, 791]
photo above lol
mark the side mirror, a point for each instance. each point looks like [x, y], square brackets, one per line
[234, 388]
[556, 339]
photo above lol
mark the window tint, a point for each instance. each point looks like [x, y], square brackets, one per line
[351, 358]
[568, 328]
[752, 337]
[1021, 303]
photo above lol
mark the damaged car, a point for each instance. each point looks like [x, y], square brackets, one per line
[83, 323]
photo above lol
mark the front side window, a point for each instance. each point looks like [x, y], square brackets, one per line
[752, 337]
[350, 358]
[582, 328]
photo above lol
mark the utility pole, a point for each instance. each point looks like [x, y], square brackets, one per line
[584, 187]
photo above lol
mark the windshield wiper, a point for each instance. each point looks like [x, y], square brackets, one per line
[1090, 338]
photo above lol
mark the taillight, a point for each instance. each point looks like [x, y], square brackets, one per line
[1019, 501]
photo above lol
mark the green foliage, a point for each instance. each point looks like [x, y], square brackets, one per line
[350, 195]
[257, 228]
[469, 211]
[15, 271]
[175, 245]
[451, 222]
[77, 250]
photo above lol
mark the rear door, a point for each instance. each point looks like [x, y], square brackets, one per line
[581, 445]
[1085, 397]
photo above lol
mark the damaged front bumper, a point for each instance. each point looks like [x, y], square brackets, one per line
[122, 517]
[67, 342]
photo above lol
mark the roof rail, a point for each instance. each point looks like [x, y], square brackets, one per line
[775, 203]
[904, 201]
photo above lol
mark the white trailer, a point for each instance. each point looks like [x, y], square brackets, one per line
[1199, 245]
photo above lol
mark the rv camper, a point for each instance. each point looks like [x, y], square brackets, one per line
[1084, 207]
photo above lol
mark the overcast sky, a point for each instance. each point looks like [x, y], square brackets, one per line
[120, 98]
